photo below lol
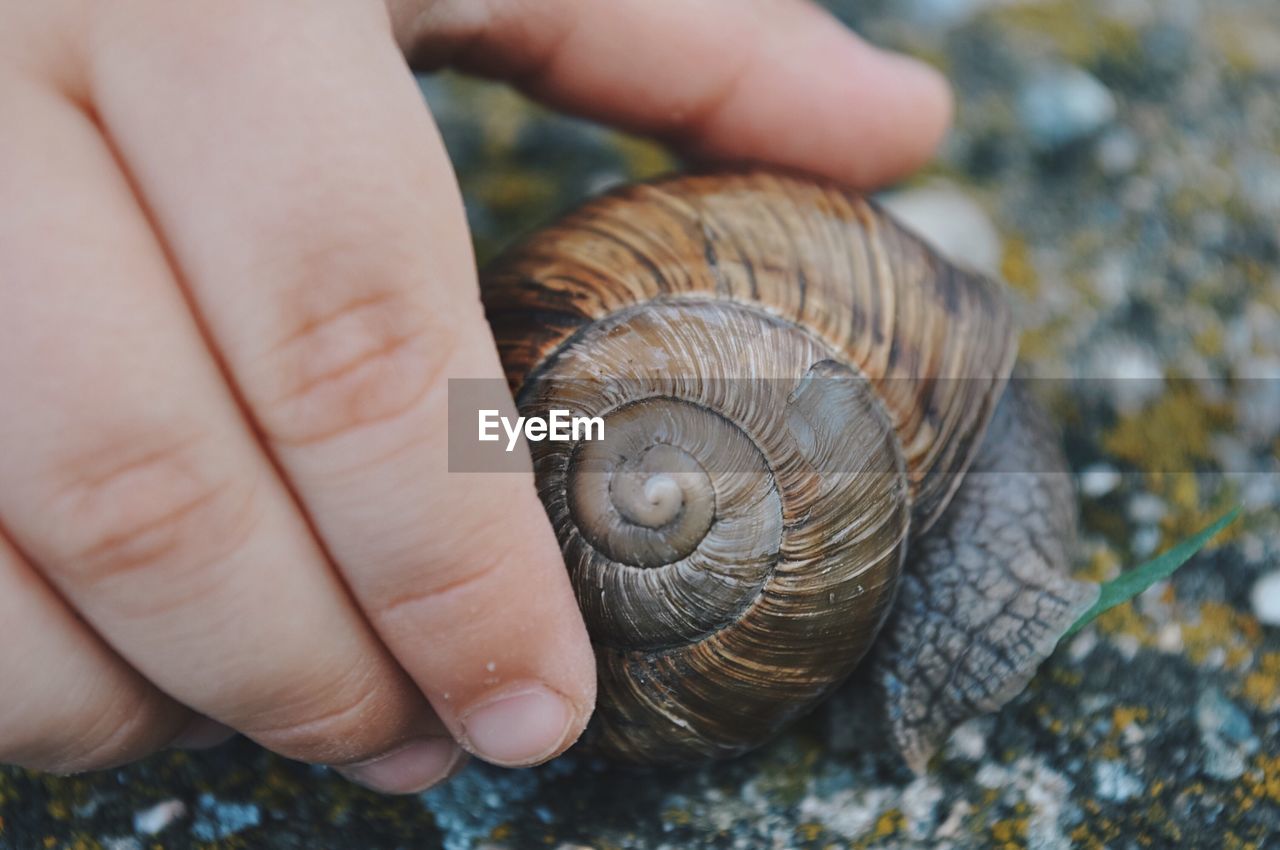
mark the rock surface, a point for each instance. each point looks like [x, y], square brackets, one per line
[1154, 235]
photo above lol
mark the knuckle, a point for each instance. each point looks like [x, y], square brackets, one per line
[87, 737]
[357, 348]
[356, 717]
[433, 592]
[133, 505]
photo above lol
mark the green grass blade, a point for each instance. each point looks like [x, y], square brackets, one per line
[1127, 585]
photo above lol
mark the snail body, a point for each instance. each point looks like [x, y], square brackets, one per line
[793, 388]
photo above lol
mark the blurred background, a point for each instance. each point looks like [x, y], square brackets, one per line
[1117, 162]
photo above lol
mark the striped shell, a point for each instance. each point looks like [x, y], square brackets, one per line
[792, 386]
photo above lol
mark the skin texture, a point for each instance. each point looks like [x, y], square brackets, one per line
[234, 278]
[986, 594]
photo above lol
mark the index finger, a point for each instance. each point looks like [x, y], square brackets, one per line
[327, 255]
[779, 81]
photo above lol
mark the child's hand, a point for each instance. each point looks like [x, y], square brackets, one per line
[234, 277]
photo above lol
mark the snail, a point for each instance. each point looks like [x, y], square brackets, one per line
[812, 458]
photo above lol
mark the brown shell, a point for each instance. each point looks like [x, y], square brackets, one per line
[819, 380]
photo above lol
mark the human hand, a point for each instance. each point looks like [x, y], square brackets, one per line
[235, 277]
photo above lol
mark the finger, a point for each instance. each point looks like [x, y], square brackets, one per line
[334, 271]
[70, 703]
[131, 480]
[770, 80]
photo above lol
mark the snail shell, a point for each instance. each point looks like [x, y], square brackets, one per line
[791, 387]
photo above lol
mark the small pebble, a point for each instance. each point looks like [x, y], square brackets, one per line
[1261, 492]
[128, 842]
[1145, 541]
[1169, 638]
[919, 804]
[154, 820]
[1112, 279]
[1126, 645]
[1126, 373]
[1098, 480]
[943, 14]
[1226, 734]
[1147, 508]
[950, 827]
[849, 813]
[1118, 152]
[1082, 645]
[1139, 194]
[1265, 598]
[952, 222]
[969, 740]
[1259, 175]
[218, 820]
[1252, 549]
[1137, 378]
[1214, 659]
[1232, 453]
[1258, 399]
[1215, 713]
[1114, 782]
[1064, 104]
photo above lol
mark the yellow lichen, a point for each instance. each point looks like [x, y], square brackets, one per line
[642, 158]
[1009, 833]
[1079, 32]
[1103, 564]
[513, 191]
[809, 831]
[1122, 717]
[1189, 513]
[1209, 341]
[1240, 41]
[1172, 433]
[889, 823]
[1042, 342]
[1262, 685]
[1262, 780]
[83, 842]
[1125, 620]
[1069, 678]
[1017, 267]
[502, 111]
[1221, 628]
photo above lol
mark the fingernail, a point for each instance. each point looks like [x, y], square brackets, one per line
[201, 734]
[414, 767]
[518, 728]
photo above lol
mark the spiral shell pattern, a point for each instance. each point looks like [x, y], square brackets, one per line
[790, 385]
